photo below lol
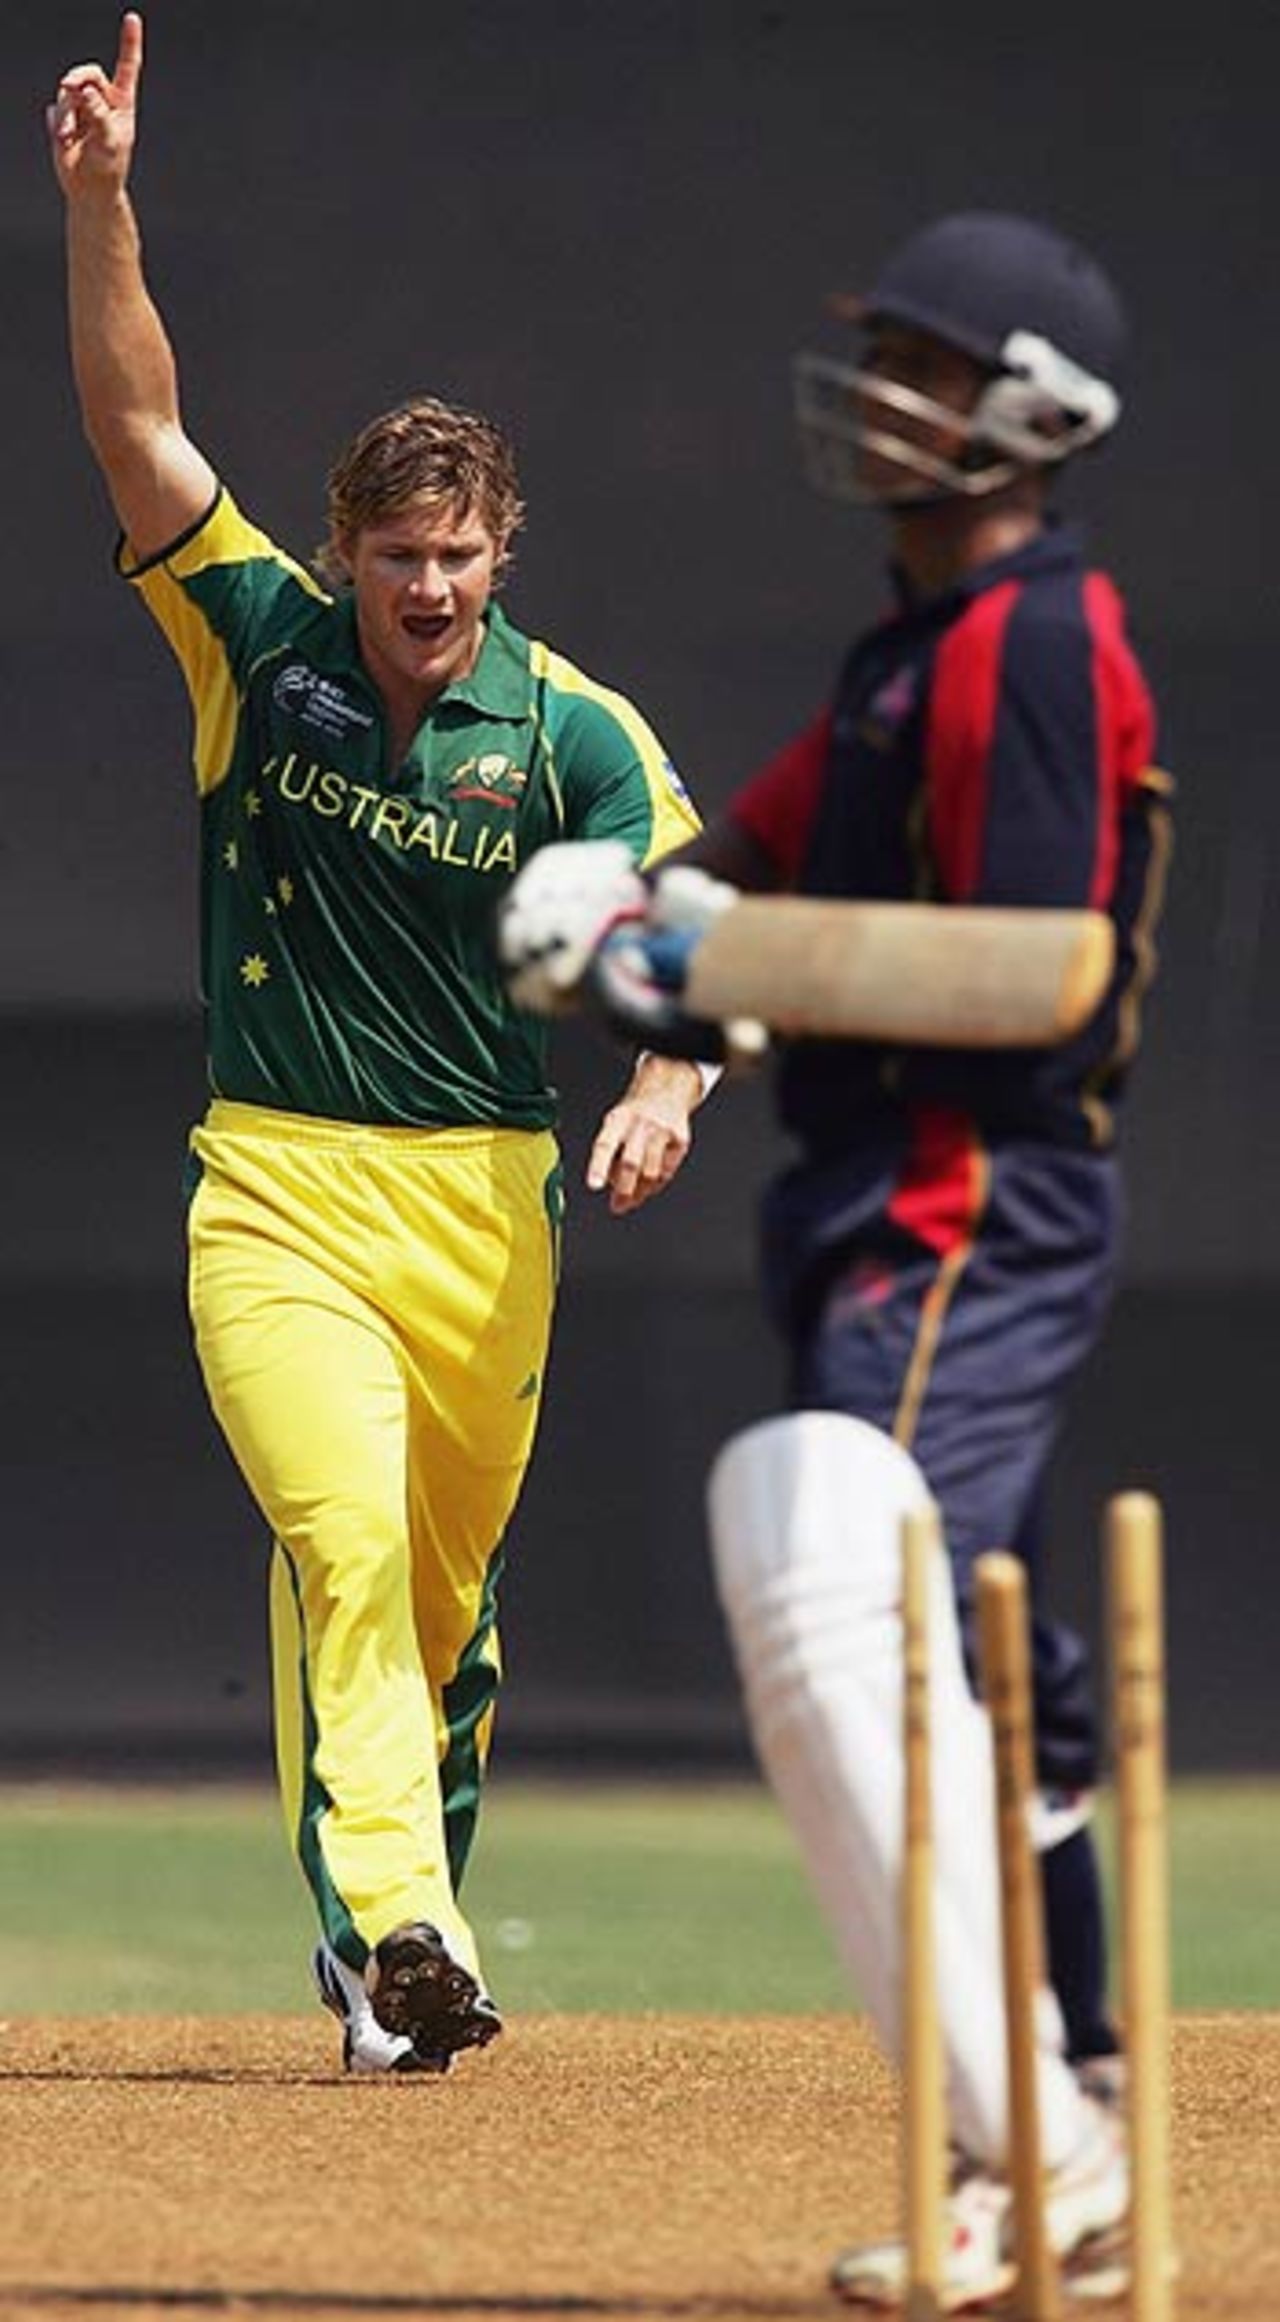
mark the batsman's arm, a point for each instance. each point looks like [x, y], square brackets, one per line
[725, 849]
[123, 364]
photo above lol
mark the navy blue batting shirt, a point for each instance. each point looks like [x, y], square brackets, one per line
[991, 745]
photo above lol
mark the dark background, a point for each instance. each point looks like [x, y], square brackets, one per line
[609, 226]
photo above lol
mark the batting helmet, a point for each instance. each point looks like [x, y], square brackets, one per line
[1032, 308]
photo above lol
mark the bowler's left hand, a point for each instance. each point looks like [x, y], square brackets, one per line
[644, 1138]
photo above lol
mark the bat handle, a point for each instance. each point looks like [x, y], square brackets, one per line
[746, 1045]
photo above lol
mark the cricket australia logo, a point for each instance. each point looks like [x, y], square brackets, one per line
[492, 776]
[316, 701]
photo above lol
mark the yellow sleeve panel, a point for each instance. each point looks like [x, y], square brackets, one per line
[614, 775]
[222, 595]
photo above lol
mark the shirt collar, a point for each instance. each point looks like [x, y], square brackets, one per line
[498, 686]
[1058, 548]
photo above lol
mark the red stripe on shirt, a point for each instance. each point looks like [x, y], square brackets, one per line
[1126, 725]
[959, 732]
[940, 1193]
[779, 805]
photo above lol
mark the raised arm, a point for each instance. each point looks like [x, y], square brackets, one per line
[125, 374]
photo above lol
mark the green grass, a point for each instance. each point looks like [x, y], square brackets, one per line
[620, 1899]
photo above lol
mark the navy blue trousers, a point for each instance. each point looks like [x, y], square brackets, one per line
[966, 1355]
[964, 1349]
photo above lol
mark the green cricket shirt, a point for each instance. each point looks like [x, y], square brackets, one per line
[348, 908]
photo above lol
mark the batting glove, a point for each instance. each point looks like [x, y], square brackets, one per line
[557, 912]
[639, 973]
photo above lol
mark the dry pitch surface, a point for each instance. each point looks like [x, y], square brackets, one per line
[640, 2168]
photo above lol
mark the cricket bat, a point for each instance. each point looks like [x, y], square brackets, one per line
[941, 974]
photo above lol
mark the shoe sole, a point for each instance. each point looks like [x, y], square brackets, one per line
[330, 1996]
[885, 2298]
[423, 1995]
[1099, 2270]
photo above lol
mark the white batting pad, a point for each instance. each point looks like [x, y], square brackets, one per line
[806, 1516]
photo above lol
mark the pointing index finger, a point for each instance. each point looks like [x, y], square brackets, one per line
[129, 56]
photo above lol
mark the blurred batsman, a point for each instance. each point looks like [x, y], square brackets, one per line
[377, 1196]
[941, 1253]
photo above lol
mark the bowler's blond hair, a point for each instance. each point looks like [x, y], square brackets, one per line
[422, 452]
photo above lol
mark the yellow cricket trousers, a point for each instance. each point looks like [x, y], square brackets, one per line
[372, 1311]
